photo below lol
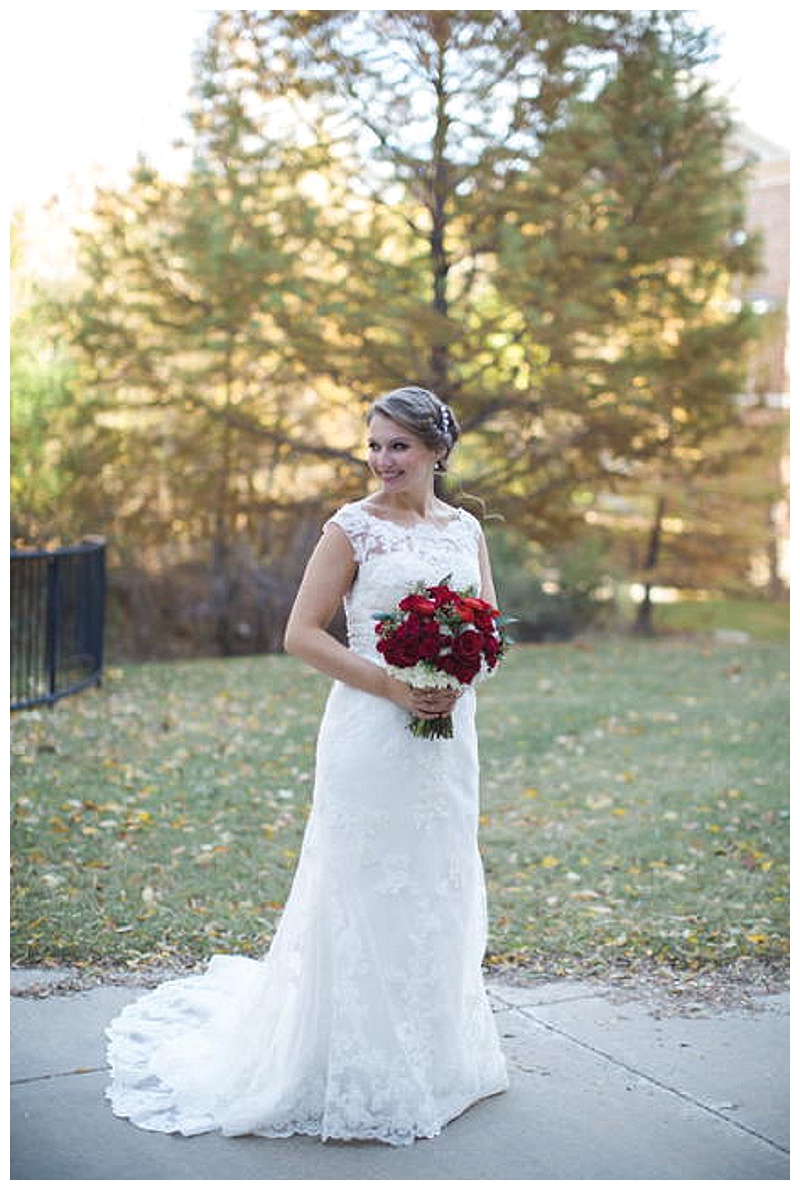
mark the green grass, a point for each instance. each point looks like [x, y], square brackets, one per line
[635, 808]
[637, 804]
[762, 619]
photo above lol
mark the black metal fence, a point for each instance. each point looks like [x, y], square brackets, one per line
[57, 622]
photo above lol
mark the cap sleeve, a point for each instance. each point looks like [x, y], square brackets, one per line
[354, 524]
[471, 523]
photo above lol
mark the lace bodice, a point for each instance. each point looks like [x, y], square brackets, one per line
[393, 558]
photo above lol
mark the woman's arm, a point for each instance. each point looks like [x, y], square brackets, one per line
[327, 579]
[487, 590]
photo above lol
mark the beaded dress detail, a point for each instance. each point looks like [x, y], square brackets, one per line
[368, 1018]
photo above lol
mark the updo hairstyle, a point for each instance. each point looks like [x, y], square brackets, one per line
[424, 414]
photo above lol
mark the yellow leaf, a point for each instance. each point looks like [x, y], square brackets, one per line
[530, 793]
[599, 803]
[550, 861]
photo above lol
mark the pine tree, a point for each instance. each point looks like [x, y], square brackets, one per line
[544, 230]
[529, 211]
[188, 329]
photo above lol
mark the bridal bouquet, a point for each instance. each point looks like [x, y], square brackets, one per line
[438, 638]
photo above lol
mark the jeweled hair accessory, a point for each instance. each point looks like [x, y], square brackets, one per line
[446, 419]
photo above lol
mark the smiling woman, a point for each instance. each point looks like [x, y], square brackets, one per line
[393, 456]
[427, 423]
[368, 1018]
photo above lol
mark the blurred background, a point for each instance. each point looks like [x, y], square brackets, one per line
[231, 229]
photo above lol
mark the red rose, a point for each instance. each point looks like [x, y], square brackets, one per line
[418, 604]
[464, 660]
[403, 654]
[479, 605]
[491, 655]
[441, 595]
[429, 640]
[463, 669]
[400, 648]
[468, 645]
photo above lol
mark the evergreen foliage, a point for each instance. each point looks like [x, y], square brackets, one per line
[528, 210]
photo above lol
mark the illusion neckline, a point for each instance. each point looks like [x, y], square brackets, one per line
[424, 524]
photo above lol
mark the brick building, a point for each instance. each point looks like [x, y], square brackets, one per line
[767, 396]
[768, 214]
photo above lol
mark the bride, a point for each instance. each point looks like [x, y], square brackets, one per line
[368, 1018]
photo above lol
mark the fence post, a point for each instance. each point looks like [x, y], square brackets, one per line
[51, 632]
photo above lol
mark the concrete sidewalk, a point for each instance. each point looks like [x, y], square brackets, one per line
[602, 1087]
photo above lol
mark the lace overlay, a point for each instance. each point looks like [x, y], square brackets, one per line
[368, 1018]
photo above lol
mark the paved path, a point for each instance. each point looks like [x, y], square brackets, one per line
[601, 1088]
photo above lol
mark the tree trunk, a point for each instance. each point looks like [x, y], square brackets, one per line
[777, 587]
[643, 625]
[224, 580]
[440, 263]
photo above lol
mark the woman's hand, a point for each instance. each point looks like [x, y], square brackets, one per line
[422, 704]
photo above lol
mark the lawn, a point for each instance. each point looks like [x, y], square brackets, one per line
[763, 619]
[635, 808]
[636, 804]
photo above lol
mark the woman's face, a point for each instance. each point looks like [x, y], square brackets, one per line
[398, 457]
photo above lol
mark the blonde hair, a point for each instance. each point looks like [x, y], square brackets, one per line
[424, 414]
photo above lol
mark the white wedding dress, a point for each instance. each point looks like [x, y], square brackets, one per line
[368, 1018]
